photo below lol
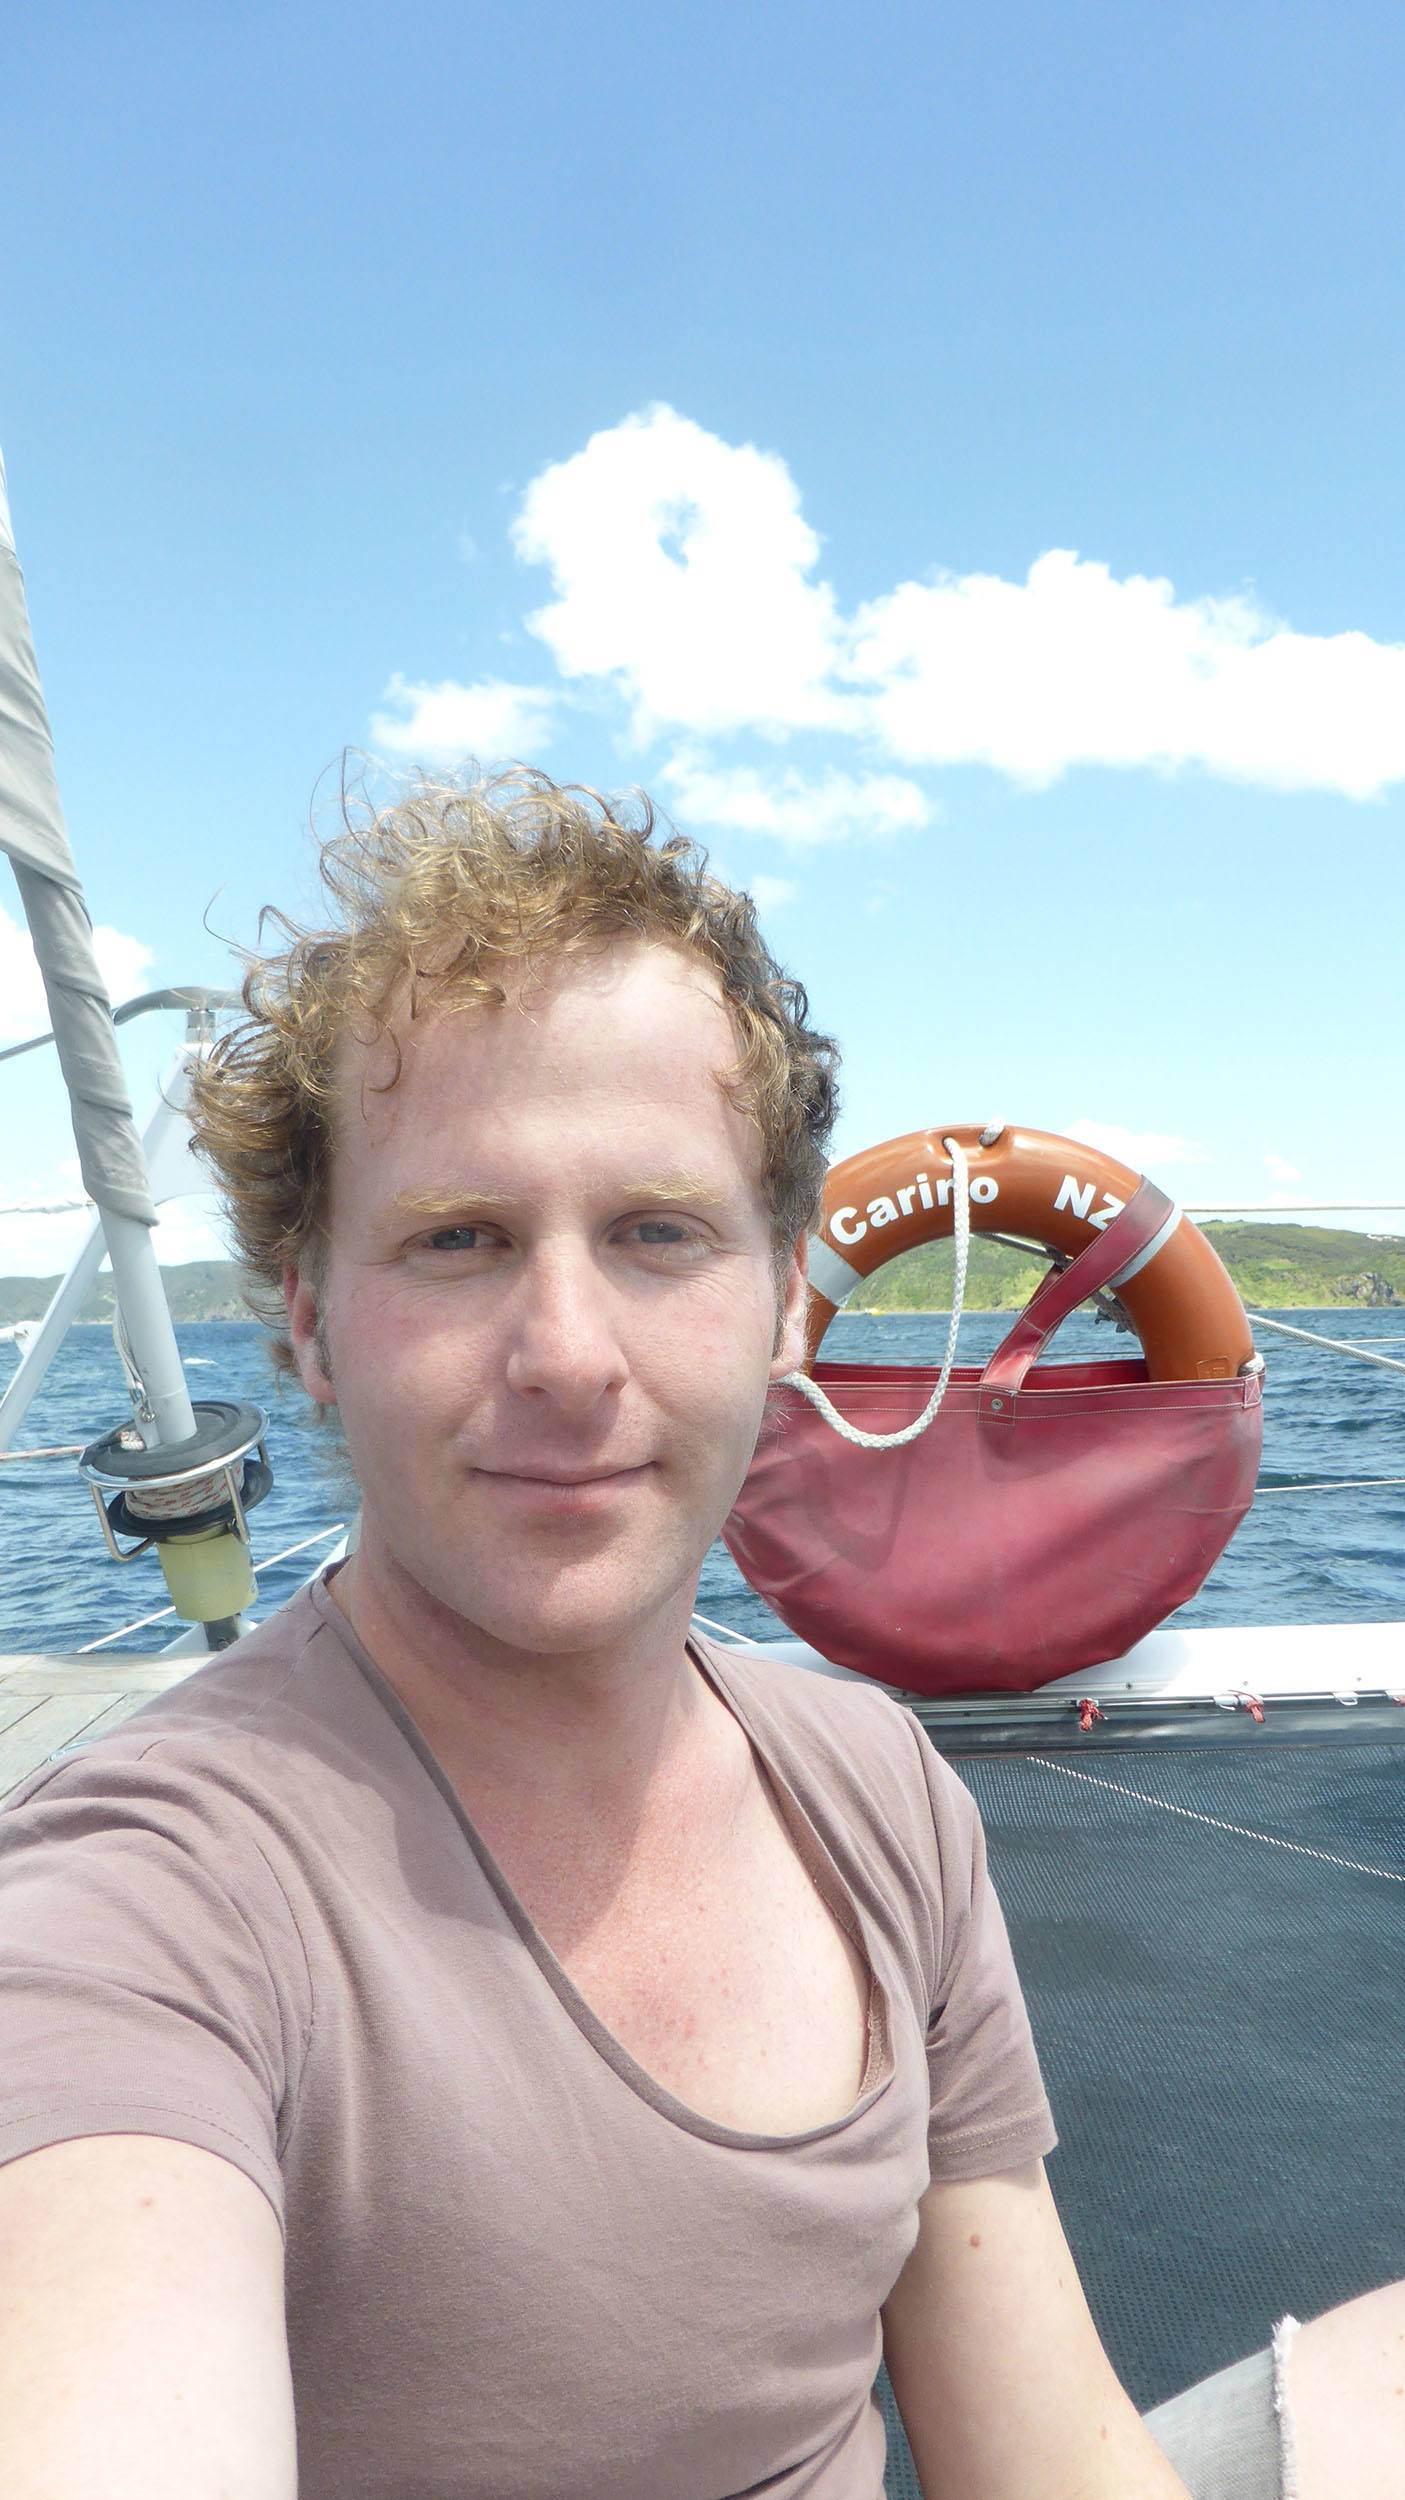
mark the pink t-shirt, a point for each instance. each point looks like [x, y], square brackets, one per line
[256, 1918]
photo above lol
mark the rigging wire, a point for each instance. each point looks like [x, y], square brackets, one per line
[321, 1538]
[1331, 1484]
[1334, 1345]
[54, 1206]
[1308, 1206]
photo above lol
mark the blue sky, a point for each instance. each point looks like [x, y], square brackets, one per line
[952, 455]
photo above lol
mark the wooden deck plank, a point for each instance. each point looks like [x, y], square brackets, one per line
[43, 1729]
[101, 1673]
[122, 1708]
[14, 1706]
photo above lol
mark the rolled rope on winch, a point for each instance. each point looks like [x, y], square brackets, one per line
[190, 1500]
[194, 1514]
[201, 1477]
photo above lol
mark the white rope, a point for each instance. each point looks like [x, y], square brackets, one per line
[184, 1501]
[1240, 1831]
[1334, 1345]
[808, 1388]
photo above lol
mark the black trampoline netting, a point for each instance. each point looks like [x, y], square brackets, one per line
[1212, 1943]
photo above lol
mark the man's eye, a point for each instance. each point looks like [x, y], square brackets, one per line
[458, 1237]
[661, 1232]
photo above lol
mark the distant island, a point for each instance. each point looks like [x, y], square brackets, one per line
[205, 1289]
[1277, 1266]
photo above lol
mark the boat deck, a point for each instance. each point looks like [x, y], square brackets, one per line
[48, 1702]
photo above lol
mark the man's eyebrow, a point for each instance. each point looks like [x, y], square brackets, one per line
[672, 1189]
[668, 1189]
[419, 1206]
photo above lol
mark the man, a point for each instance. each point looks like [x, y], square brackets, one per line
[471, 2040]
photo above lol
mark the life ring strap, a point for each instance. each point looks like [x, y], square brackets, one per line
[1131, 1241]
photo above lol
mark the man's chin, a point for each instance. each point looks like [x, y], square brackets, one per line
[551, 1594]
[575, 1613]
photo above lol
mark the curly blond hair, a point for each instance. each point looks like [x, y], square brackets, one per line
[436, 898]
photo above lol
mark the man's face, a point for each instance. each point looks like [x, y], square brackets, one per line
[549, 1306]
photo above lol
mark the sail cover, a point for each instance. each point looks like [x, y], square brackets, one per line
[33, 834]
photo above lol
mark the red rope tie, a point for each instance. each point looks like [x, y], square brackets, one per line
[1088, 1711]
[1255, 1708]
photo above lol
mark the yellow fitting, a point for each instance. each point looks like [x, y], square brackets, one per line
[209, 1576]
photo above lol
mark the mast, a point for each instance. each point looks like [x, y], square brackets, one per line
[35, 839]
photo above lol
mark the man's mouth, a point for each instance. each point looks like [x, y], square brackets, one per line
[566, 1479]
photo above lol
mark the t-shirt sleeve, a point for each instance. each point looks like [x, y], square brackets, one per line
[989, 2109]
[152, 1980]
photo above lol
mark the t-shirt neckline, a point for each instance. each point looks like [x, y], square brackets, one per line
[819, 1863]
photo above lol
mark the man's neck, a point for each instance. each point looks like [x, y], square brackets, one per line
[600, 1723]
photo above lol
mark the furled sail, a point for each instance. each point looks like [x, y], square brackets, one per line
[33, 833]
[35, 838]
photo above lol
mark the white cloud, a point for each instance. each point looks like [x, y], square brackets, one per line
[1072, 666]
[125, 965]
[489, 719]
[684, 569]
[685, 576]
[771, 893]
[1281, 1169]
[681, 568]
[192, 1228]
[790, 807]
[39, 1245]
[1142, 1148]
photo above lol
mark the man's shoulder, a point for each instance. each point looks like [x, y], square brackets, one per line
[806, 1697]
[845, 1731]
[270, 1696]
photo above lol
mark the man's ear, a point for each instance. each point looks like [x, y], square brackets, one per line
[302, 1302]
[793, 1305]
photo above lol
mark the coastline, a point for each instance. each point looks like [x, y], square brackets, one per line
[1011, 1310]
[852, 1310]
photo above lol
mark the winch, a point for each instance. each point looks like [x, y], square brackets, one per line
[189, 1499]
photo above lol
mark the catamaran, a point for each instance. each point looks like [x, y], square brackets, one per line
[1198, 1833]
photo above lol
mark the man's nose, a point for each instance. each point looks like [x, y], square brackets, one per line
[565, 1343]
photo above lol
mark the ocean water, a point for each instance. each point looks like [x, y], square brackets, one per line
[1302, 1556]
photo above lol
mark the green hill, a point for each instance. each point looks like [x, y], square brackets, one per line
[205, 1289]
[1276, 1266]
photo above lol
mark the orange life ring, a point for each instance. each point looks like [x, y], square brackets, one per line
[1047, 1190]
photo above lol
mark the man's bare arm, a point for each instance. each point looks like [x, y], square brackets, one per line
[1002, 2382]
[143, 2351]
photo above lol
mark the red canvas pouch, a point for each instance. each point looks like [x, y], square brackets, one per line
[1047, 1518]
